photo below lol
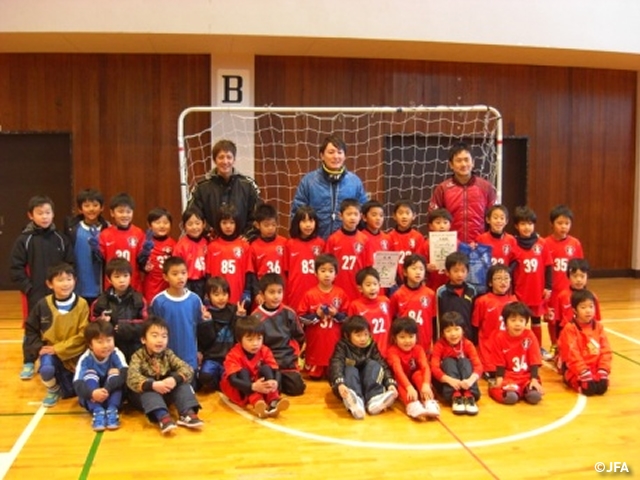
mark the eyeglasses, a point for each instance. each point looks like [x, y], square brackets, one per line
[501, 279]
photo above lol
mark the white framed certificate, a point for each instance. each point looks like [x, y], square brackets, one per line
[386, 263]
[441, 244]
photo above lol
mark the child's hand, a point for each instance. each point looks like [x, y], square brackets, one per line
[272, 385]
[99, 395]
[467, 383]
[262, 386]
[427, 392]
[160, 387]
[432, 267]
[105, 315]
[240, 310]
[332, 311]
[412, 394]
[534, 384]
[206, 314]
[170, 382]
[550, 316]
[259, 299]
[546, 294]
[453, 382]
[47, 350]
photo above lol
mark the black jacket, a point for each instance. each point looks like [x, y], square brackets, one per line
[216, 336]
[346, 353]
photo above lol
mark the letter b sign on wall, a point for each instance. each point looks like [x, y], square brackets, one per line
[233, 88]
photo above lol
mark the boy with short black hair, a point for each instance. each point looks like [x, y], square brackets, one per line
[502, 243]
[377, 239]
[578, 274]
[404, 237]
[457, 295]
[439, 220]
[151, 259]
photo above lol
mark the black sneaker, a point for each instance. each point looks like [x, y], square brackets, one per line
[190, 420]
[167, 424]
[470, 406]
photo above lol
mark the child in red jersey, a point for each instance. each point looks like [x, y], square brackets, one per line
[301, 250]
[348, 245]
[251, 374]
[439, 220]
[373, 306]
[192, 248]
[584, 348]
[516, 356]
[414, 299]
[159, 221]
[228, 256]
[122, 239]
[532, 268]
[404, 238]
[578, 273]
[502, 243]
[456, 367]
[377, 240]
[410, 367]
[487, 311]
[321, 311]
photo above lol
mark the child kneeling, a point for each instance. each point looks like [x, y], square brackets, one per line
[358, 374]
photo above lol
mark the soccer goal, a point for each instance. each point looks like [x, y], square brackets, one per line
[397, 152]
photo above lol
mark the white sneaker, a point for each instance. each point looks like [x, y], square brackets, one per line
[416, 410]
[354, 404]
[381, 402]
[432, 408]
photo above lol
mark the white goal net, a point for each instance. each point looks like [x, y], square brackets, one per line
[397, 152]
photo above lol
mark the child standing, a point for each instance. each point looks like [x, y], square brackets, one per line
[54, 333]
[301, 250]
[181, 309]
[215, 332]
[585, 352]
[157, 377]
[502, 243]
[192, 248]
[414, 299]
[100, 376]
[377, 240]
[38, 247]
[282, 333]
[439, 221]
[456, 367]
[358, 374]
[251, 374]
[159, 222]
[516, 356]
[322, 309]
[373, 306]
[578, 273]
[410, 367]
[348, 245]
[404, 238]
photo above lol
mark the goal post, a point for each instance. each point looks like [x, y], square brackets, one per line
[398, 152]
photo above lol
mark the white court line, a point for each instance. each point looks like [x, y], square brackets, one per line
[622, 335]
[575, 411]
[620, 320]
[7, 459]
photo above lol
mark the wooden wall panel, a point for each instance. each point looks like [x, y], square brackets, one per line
[580, 124]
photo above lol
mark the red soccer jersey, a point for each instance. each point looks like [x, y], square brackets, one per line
[127, 243]
[299, 267]
[529, 275]
[322, 337]
[405, 364]
[350, 250]
[406, 243]
[564, 311]
[502, 247]
[237, 360]
[443, 349]
[487, 318]
[194, 253]
[153, 283]
[231, 260]
[515, 354]
[419, 304]
[376, 242]
[561, 252]
[267, 256]
[378, 314]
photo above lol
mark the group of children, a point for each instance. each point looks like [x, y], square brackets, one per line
[221, 313]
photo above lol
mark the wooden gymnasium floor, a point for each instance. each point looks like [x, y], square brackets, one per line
[563, 437]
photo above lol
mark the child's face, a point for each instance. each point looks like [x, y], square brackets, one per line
[62, 285]
[122, 216]
[406, 341]
[307, 226]
[224, 163]
[515, 325]
[219, 298]
[453, 334]
[462, 164]
[120, 281]
[497, 221]
[267, 228]
[42, 215]
[360, 339]
[374, 219]
[156, 339]
[350, 218]
[561, 226]
[440, 224]
[457, 274]
[414, 274]
[585, 311]
[228, 226]
[176, 277]
[91, 211]
[161, 227]
[578, 279]
[102, 346]
[370, 287]
[525, 229]
[404, 217]
[273, 295]
[252, 342]
[326, 274]
[500, 282]
[194, 226]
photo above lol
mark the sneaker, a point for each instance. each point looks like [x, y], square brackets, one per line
[416, 410]
[113, 419]
[470, 407]
[432, 408]
[98, 424]
[547, 356]
[278, 406]
[381, 402]
[51, 398]
[28, 371]
[354, 404]
[190, 420]
[457, 405]
[167, 424]
[260, 408]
